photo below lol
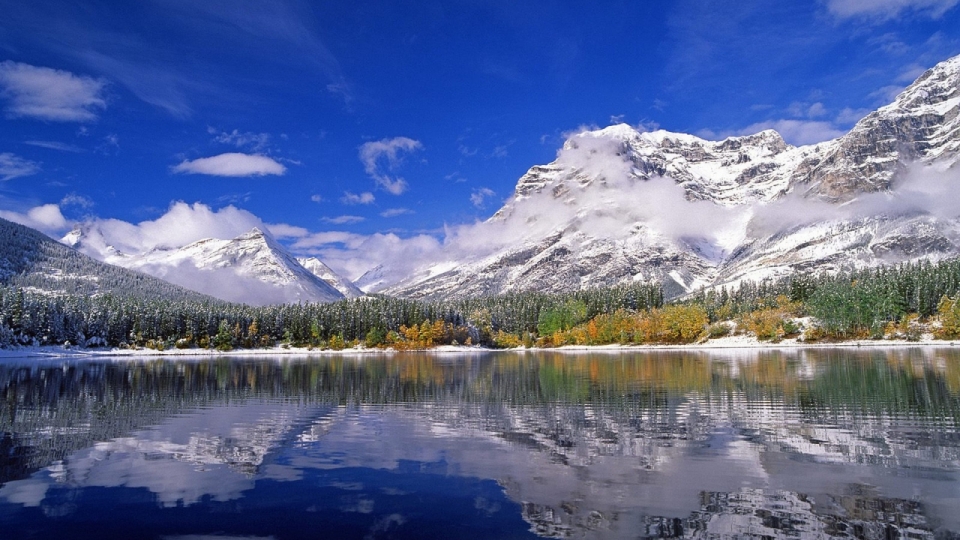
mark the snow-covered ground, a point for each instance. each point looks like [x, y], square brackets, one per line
[728, 342]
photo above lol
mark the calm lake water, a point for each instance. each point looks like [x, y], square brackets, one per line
[825, 443]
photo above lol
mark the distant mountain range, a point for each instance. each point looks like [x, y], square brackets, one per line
[620, 205]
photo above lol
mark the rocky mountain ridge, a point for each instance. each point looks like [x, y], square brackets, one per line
[619, 204]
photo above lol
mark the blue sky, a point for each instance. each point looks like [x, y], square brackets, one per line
[341, 123]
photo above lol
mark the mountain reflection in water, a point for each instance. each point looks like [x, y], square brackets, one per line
[816, 443]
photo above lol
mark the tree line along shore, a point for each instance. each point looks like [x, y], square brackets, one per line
[905, 301]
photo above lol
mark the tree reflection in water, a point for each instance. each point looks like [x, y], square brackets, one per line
[829, 442]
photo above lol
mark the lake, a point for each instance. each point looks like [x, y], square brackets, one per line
[859, 443]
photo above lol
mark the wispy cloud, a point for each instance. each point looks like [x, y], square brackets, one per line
[50, 94]
[373, 153]
[158, 84]
[353, 198]
[109, 145]
[235, 198]
[283, 26]
[232, 164]
[343, 220]
[13, 166]
[884, 10]
[133, 54]
[54, 145]
[283, 230]
[76, 200]
[394, 212]
[849, 115]
[254, 141]
[455, 176]
[317, 198]
[479, 196]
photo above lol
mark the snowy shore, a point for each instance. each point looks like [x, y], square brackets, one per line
[724, 343]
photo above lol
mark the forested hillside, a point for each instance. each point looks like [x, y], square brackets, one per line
[37, 263]
[49, 294]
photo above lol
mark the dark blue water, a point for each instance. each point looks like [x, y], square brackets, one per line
[813, 444]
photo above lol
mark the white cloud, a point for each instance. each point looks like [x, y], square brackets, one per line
[254, 141]
[797, 132]
[182, 224]
[479, 196]
[351, 254]
[394, 212]
[316, 198]
[886, 94]
[283, 230]
[343, 220]
[851, 116]
[352, 198]
[389, 150]
[110, 145]
[884, 10]
[50, 94]
[816, 110]
[911, 73]
[54, 145]
[232, 164]
[76, 200]
[46, 218]
[800, 109]
[12, 166]
[455, 176]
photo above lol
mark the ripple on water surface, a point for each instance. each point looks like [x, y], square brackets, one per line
[816, 443]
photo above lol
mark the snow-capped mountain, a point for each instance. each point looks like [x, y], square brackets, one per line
[316, 267]
[619, 204]
[39, 264]
[252, 268]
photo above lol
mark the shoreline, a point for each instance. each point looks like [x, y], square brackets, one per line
[720, 344]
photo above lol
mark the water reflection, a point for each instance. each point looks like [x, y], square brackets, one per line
[825, 443]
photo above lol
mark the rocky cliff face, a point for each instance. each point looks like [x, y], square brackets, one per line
[920, 125]
[620, 205]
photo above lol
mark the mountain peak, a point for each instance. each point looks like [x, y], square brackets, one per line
[936, 91]
[254, 234]
[317, 267]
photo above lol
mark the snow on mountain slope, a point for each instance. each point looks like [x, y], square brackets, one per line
[619, 204]
[37, 263]
[372, 280]
[316, 267]
[251, 268]
[921, 124]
